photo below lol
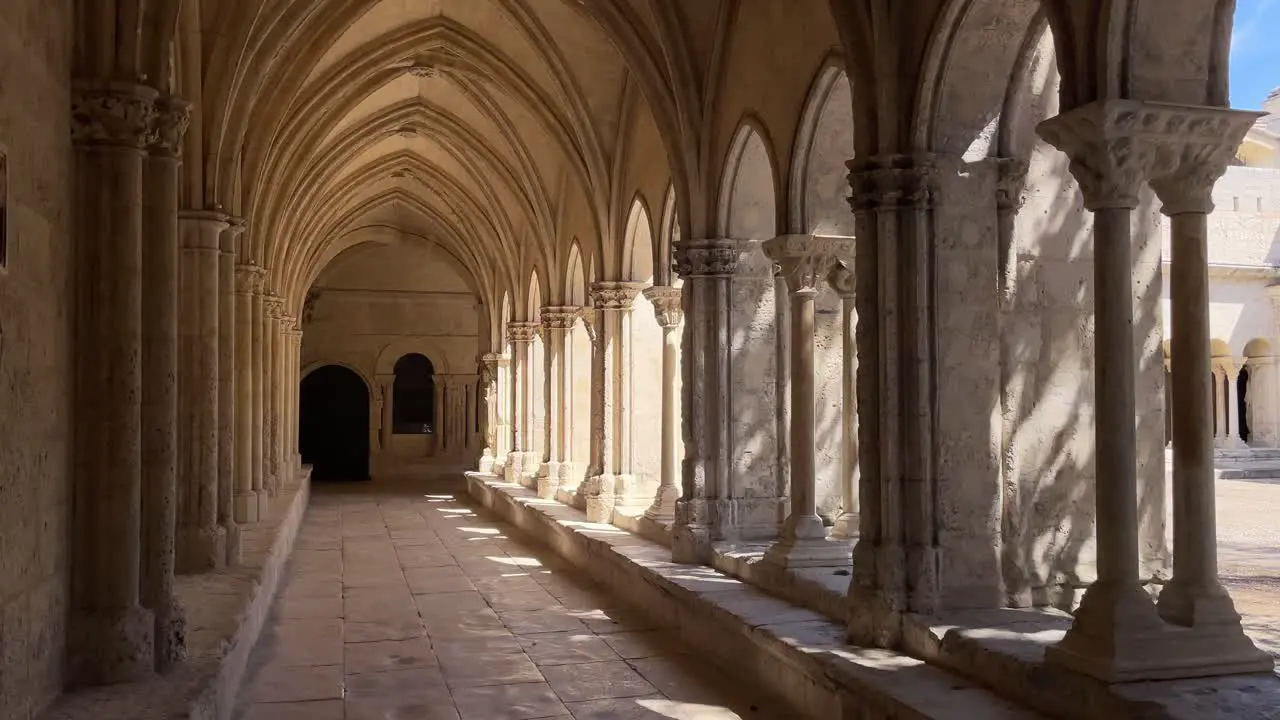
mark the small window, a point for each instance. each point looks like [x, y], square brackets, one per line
[413, 406]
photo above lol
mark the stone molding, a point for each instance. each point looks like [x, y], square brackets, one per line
[842, 279]
[562, 317]
[522, 331]
[202, 240]
[1011, 180]
[249, 278]
[590, 316]
[806, 259]
[892, 182]
[272, 305]
[609, 295]
[112, 114]
[173, 118]
[1116, 145]
[707, 258]
[667, 304]
[236, 227]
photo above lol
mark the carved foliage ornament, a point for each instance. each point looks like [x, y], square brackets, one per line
[614, 295]
[1011, 179]
[892, 182]
[249, 279]
[522, 332]
[666, 305]
[559, 317]
[707, 258]
[114, 114]
[806, 259]
[173, 117]
[842, 279]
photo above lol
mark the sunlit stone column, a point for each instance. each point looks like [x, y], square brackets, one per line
[842, 280]
[258, 375]
[1194, 598]
[805, 260]
[1262, 399]
[202, 542]
[520, 335]
[284, 383]
[488, 410]
[557, 322]
[502, 413]
[110, 636]
[611, 385]
[1232, 373]
[227, 369]
[245, 501]
[666, 303]
[702, 513]
[273, 306]
[160, 267]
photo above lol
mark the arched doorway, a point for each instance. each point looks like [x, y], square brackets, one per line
[333, 424]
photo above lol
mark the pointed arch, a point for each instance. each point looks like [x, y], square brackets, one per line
[817, 182]
[668, 236]
[533, 306]
[637, 243]
[575, 279]
[748, 199]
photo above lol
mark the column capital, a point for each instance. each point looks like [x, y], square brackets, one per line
[249, 278]
[522, 331]
[287, 321]
[1011, 179]
[589, 317]
[716, 257]
[113, 114]
[613, 295]
[559, 317]
[273, 304]
[1193, 152]
[173, 117]
[666, 303]
[235, 228]
[806, 259]
[892, 182]
[494, 360]
[842, 279]
[207, 233]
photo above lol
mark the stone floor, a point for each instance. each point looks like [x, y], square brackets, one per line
[1249, 554]
[402, 605]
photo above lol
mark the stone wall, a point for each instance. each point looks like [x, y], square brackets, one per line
[35, 369]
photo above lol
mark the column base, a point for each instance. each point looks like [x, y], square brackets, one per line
[877, 594]
[600, 496]
[264, 505]
[245, 505]
[487, 463]
[170, 635]
[513, 467]
[663, 509]
[201, 549]
[692, 536]
[1208, 615]
[232, 531]
[806, 553]
[846, 527]
[111, 646]
[548, 480]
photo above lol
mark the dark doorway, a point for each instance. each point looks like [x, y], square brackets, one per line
[1242, 400]
[333, 425]
[414, 394]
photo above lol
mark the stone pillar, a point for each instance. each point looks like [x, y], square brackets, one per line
[1217, 374]
[386, 407]
[1194, 598]
[490, 430]
[557, 467]
[227, 369]
[611, 384]
[248, 483]
[520, 335]
[273, 307]
[284, 340]
[702, 514]
[667, 307]
[202, 542]
[160, 267]
[805, 261]
[841, 279]
[1232, 373]
[111, 635]
[257, 314]
[1261, 401]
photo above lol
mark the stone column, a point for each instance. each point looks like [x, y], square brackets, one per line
[202, 542]
[805, 261]
[386, 408]
[841, 279]
[520, 335]
[1232, 373]
[248, 483]
[111, 635]
[160, 267]
[611, 384]
[284, 385]
[227, 369]
[667, 307]
[273, 306]
[1194, 598]
[258, 377]
[707, 267]
[1262, 402]
[502, 413]
[295, 387]
[489, 410]
[1217, 375]
[557, 322]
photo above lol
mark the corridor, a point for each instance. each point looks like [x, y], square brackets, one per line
[399, 605]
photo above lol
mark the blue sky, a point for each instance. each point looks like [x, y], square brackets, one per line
[1255, 52]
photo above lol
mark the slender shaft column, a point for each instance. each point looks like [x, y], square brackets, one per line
[843, 282]
[110, 638]
[160, 267]
[520, 335]
[1234, 439]
[295, 384]
[271, 327]
[667, 307]
[1194, 598]
[611, 385]
[557, 467]
[227, 439]
[386, 409]
[805, 261]
[1216, 375]
[245, 502]
[257, 374]
[707, 267]
[284, 341]
[202, 542]
[489, 411]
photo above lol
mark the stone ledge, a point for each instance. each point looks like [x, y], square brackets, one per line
[225, 611]
[795, 654]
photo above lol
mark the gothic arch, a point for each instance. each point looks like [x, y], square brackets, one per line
[637, 243]
[748, 198]
[317, 364]
[818, 184]
[392, 352]
[575, 287]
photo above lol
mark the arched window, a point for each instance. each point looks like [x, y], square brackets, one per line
[413, 403]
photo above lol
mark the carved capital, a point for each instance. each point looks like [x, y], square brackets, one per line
[806, 259]
[614, 295]
[202, 229]
[707, 258]
[559, 317]
[273, 305]
[666, 304]
[842, 279]
[173, 117]
[522, 332]
[1011, 180]
[113, 115]
[1198, 145]
[590, 317]
[892, 182]
[249, 279]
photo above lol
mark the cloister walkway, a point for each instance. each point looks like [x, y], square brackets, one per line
[399, 604]
[1249, 555]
